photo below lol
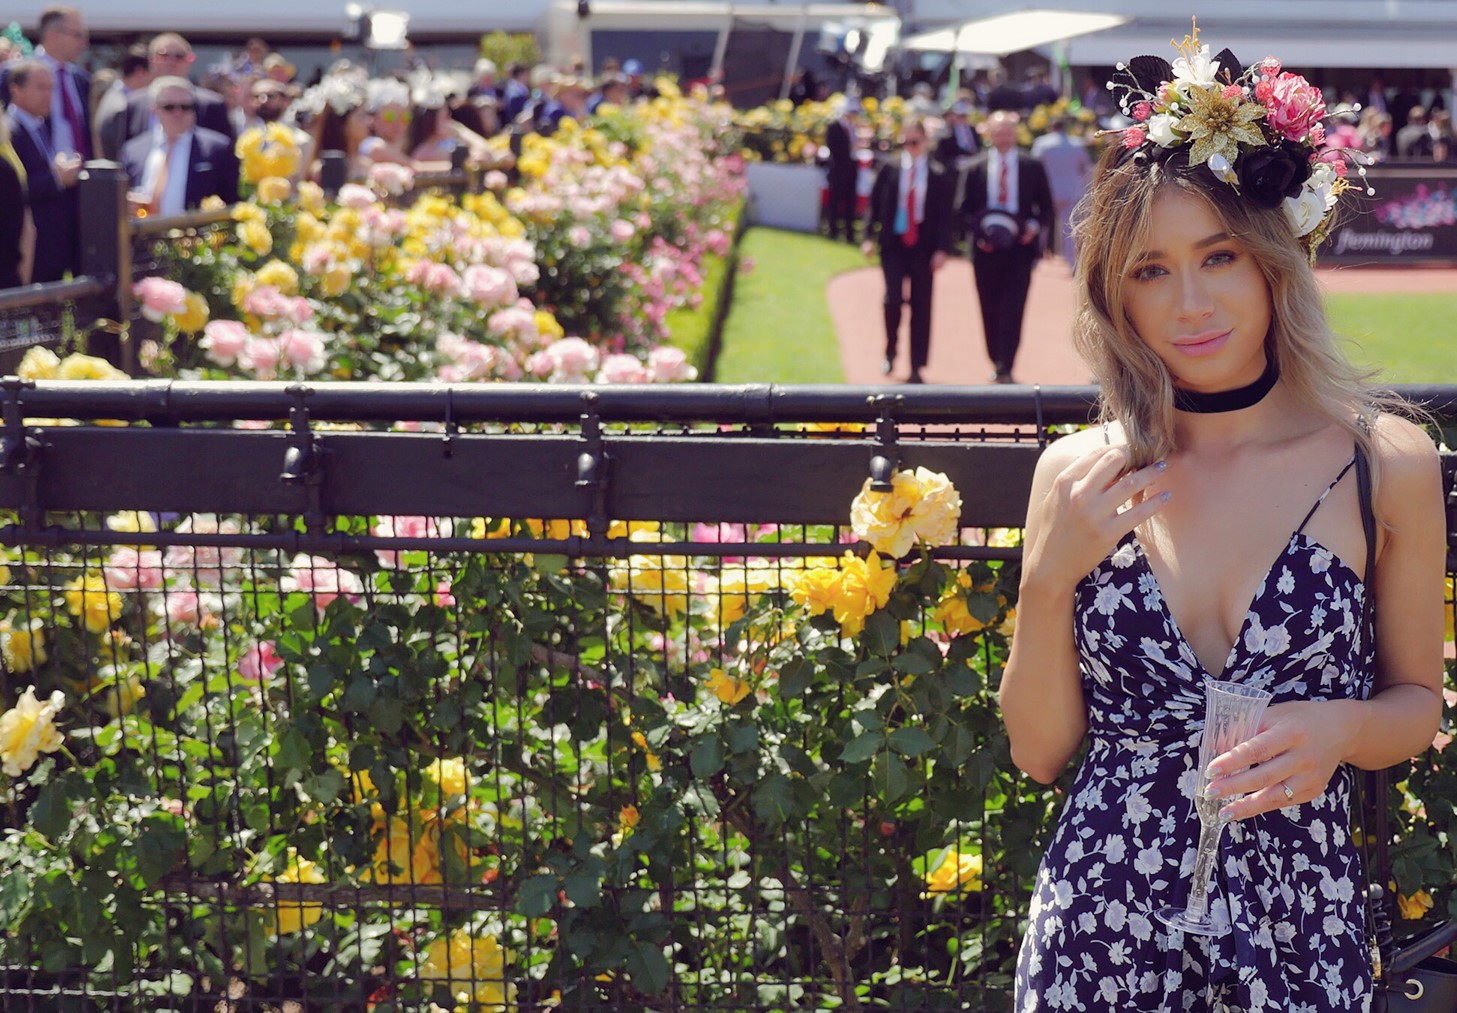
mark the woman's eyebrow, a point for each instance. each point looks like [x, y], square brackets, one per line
[1213, 240]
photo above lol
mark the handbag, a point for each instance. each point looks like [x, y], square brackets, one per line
[1408, 975]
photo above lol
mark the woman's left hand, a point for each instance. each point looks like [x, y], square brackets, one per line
[1299, 746]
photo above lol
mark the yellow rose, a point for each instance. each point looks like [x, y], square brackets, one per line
[450, 775]
[466, 961]
[311, 197]
[279, 275]
[273, 190]
[864, 586]
[256, 237]
[122, 697]
[87, 598]
[405, 854]
[641, 741]
[40, 363]
[195, 317]
[212, 202]
[922, 504]
[243, 286]
[249, 212]
[1414, 907]
[659, 582]
[815, 589]
[955, 872]
[726, 687]
[547, 326]
[335, 280]
[24, 648]
[29, 729]
[87, 367]
[1451, 608]
[291, 916]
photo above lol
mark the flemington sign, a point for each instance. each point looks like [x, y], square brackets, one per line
[1412, 217]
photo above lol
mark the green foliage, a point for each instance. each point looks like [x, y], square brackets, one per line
[506, 48]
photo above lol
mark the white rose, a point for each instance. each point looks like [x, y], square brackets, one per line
[1305, 212]
[1161, 130]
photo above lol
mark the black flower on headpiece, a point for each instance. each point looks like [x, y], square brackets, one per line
[1269, 175]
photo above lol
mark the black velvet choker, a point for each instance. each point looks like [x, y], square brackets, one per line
[1213, 402]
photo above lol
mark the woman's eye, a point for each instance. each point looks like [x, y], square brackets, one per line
[1221, 257]
[1147, 273]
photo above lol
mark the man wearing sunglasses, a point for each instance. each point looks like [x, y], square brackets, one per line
[910, 209]
[169, 55]
[177, 164]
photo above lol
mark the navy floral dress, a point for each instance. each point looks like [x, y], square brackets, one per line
[1289, 881]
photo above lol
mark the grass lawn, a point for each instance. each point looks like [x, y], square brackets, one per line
[1411, 338]
[778, 329]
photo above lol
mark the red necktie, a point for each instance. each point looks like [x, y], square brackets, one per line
[1002, 184]
[913, 231]
[73, 114]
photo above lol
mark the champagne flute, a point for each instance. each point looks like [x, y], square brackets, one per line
[1232, 713]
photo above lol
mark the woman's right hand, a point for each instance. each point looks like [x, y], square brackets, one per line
[1090, 506]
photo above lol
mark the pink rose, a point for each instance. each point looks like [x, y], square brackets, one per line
[1133, 137]
[1142, 111]
[540, 364]
[352, 195]
[160, 297]
[490, 286]
[667, 364]
[322, 578]
[303, 350]
[579, 236]
[443, 598]
[622, 369]
[717, 241]
[259, 662]
[496, 180]
[414, 527]
[621, 231]
[260, 356]
[223, 340]
[267, 302]
[572, 359]
[184, 608]
[130, 568]
[1294, 107]
[391, 178]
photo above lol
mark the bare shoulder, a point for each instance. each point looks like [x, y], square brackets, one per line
[1066, 449]
[1410, 472]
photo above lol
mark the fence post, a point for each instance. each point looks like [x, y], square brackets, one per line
[333, 171]
[106, 254]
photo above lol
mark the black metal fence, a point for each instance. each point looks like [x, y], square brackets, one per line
[497, 699]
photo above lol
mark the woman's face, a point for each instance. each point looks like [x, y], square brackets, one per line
[358, 124]
[1197, 298]
[390, 122]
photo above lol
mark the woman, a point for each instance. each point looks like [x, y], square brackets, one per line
[338, 120]
[389, 105]
[1232, 422]
[434, 135]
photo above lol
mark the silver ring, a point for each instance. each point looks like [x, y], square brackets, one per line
[1289, 792]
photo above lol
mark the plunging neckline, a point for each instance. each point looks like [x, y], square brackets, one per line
[1229, 658]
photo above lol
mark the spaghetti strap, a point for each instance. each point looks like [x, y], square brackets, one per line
[1349, 465]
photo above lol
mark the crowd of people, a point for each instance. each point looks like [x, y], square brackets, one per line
[175, 129]
[1005, 227]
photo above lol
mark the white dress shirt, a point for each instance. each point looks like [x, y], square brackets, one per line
[913, 170]
[174, 197]
[994, 173]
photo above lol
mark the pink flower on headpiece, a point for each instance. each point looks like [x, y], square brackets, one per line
[1270, 65]
[1142, 111]
[1133, 137]
[1264, 89]
[1294, 107]
[1232, 91]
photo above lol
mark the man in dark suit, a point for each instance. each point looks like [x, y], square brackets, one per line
[842, 169]
[1007, 207]
[50, 175]
[177, 164]
[910, 209]
[170, 55]
[959, 141]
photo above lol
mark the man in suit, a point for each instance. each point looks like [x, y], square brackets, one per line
[1007, 206]
[959, 141]
[50, 174]
[910, 209]
[177, 164]
[842, 169]
[168, 55]
[135, 75]
[63, 38]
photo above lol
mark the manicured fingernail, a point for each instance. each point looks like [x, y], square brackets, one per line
[1161, 465]
[1228, 814]
[1166, 496]
[1210, 791]
[1212, 772]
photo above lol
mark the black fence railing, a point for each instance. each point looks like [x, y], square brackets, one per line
[510, 698]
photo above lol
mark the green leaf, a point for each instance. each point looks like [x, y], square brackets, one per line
[889, 775]
[538, 894]
[584, 889]
[909, 741]
[741, 738]
[883, 633]
[707, 757]
[773, 799]
[862, 747]
[648, 967]
[911, 663]
[51, 813]
[361, 693]
[158, 848]
[294, 750]
[795, 677]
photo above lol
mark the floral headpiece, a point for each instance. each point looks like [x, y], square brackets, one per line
[340, 92]
[1258, 129]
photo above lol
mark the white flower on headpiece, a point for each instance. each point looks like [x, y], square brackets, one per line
[1195, 68]
[1317, 197]
[1160, 128]
[1219, 165]
[336, 91]
[387, 92]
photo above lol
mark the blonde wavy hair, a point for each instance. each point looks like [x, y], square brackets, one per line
[1112, 222]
